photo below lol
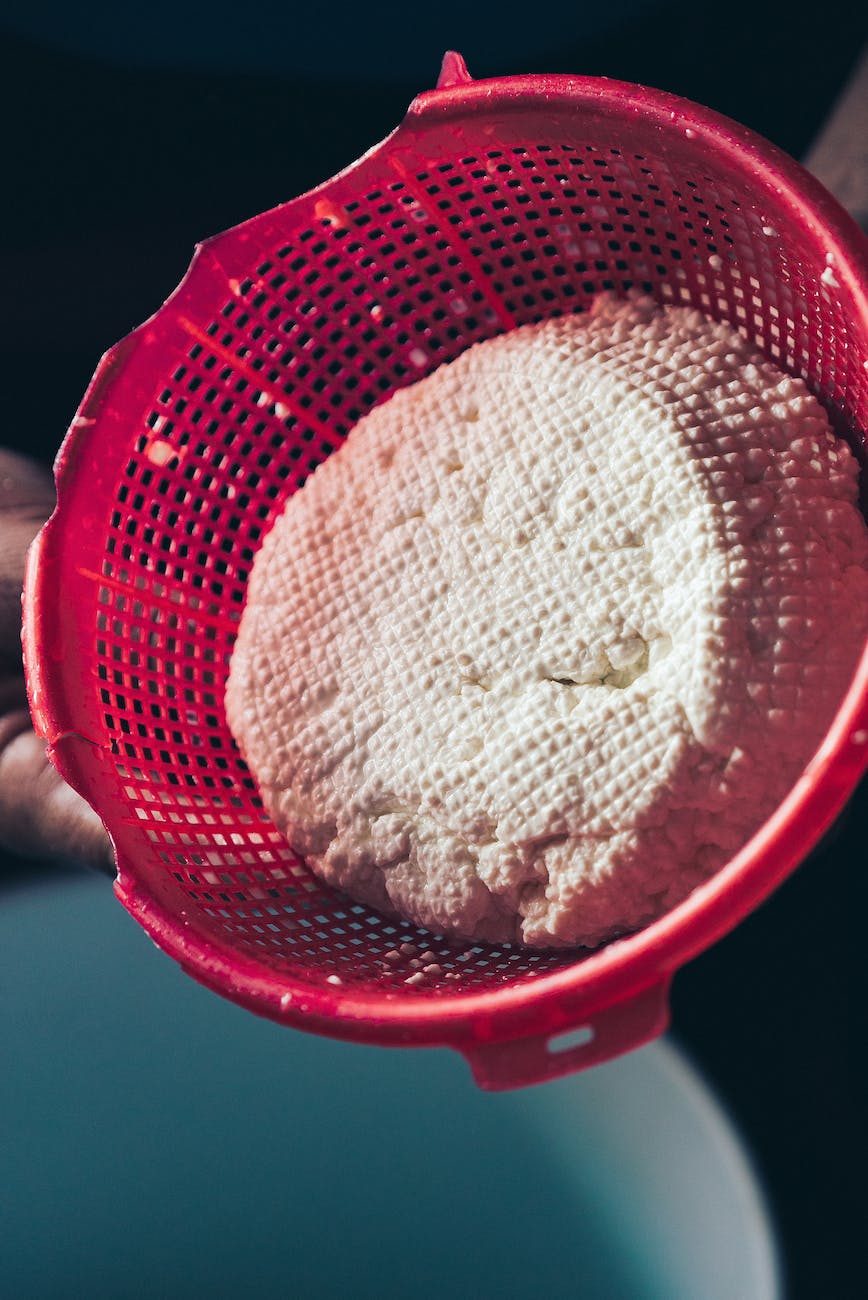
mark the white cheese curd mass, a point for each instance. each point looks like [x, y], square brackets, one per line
[542, 645]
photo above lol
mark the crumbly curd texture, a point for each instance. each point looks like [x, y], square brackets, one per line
[538, 649]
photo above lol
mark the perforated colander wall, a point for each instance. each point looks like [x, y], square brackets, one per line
[323, 309]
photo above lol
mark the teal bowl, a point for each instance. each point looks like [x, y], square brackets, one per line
[160, 1142]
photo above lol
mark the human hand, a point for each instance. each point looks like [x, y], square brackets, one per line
[40, 815]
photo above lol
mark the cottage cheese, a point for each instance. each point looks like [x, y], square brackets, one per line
[536, 652]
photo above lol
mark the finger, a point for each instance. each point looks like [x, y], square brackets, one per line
[13, 698]
[26, 501]
[24, 484]
[40, 815]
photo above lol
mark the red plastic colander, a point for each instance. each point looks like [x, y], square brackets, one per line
[494, 203]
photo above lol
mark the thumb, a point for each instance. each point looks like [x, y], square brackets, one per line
[40, 815]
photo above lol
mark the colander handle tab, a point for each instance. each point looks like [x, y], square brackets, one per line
[607, 1033]
[453, 71]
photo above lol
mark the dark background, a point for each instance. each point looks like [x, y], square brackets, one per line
[126, 138]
